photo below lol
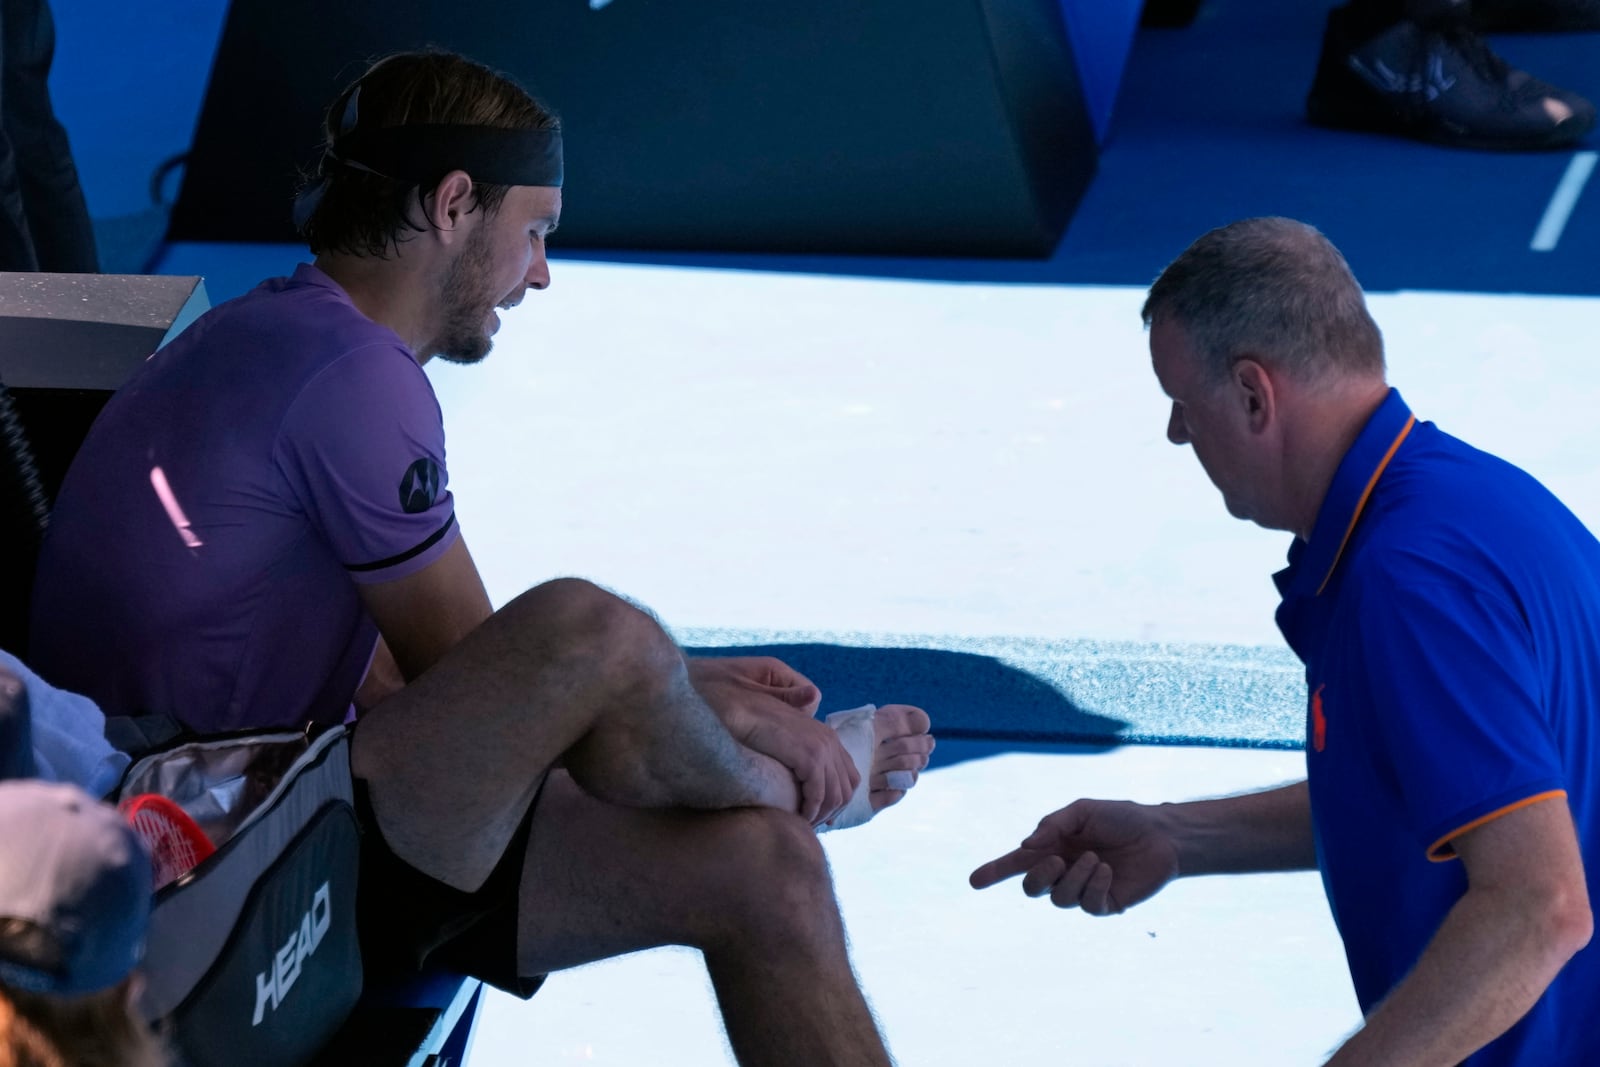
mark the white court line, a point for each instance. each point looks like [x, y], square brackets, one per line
[1565, 198]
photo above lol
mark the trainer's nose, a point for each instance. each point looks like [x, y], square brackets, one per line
[1177, 431]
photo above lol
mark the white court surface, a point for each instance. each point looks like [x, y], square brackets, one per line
[1212, 971]
[808, 453]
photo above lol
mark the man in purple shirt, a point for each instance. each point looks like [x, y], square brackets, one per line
[257, 532]
[232, 500]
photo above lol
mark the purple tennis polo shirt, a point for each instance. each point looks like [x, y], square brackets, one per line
[206, 549]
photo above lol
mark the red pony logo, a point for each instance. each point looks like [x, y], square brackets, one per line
[1319, 722]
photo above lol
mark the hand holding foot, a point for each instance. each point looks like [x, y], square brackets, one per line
[847, 769]
[890, 746]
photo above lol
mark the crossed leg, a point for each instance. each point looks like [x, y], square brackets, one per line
[565, 675]
[570, 686]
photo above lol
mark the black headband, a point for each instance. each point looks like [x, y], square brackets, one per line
[425, 153]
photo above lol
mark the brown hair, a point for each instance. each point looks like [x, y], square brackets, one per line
[367, 214]
[1275, 288]
[98, 1030]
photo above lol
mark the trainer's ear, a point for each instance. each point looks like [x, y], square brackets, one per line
[450, 203]
[1254, 389]
[133, 990]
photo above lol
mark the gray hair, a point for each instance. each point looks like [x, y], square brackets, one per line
[1275, 289]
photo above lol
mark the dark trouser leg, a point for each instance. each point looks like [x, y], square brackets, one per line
[16, 244]
[46, 177]
[1417, 68]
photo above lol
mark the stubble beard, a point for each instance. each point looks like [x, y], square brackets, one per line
[466, 305]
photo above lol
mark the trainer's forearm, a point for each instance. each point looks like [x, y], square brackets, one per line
[1265, 831]
[1491, 959]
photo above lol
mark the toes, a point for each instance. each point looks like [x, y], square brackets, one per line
[901, 780]
[901, 720]
[910, 745]
[884, 760]
[883, 798]
[903, 754]
[904, 746]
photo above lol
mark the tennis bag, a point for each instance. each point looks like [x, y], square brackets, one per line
[252, 956]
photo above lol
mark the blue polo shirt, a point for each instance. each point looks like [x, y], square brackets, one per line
[1447, 609]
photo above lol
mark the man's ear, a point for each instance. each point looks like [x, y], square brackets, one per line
[1256, 390]
[449, 203]
[133, 990]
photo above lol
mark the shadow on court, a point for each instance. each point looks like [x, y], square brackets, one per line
[987, 705]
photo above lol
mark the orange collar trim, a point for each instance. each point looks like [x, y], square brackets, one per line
[1361, 504]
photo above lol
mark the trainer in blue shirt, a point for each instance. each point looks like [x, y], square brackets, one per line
[1447, 608]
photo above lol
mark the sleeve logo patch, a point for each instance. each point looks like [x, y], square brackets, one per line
[419, 489]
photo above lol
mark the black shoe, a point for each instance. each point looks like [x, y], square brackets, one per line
[1438, 81]
[1536, 16]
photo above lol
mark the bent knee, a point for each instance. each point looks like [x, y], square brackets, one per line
[768, 860]
[571, 604]
[576, 614]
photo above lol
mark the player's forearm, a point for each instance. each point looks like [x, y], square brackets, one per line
[1490, 961]
[383, 679]
[1264, 831]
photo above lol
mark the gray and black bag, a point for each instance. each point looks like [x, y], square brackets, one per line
[253, 956]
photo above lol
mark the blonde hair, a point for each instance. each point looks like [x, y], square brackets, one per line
[97, 1030]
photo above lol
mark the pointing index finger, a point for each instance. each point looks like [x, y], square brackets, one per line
[998, 870]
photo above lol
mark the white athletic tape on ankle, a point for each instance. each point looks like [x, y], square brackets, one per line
[860, 740]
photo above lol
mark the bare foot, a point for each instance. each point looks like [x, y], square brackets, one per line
[890, 746]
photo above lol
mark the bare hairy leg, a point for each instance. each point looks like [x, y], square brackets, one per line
[749, 888]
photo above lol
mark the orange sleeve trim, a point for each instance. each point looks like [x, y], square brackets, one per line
[1361, 504]
[1442, 851]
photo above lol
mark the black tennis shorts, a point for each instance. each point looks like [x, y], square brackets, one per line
[410, 922]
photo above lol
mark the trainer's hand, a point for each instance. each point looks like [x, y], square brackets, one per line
[768, 707]
[1104, 856]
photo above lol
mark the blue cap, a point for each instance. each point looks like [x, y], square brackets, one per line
[78, 878]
